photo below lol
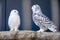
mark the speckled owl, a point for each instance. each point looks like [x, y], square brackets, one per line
[42, 21]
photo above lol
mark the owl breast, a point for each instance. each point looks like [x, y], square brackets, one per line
[14, 21]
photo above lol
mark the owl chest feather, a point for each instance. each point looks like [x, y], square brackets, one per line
[14, 20]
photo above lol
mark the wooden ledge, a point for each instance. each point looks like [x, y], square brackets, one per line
[29, 35]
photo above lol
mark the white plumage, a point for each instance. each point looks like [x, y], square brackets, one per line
[14, 20]
[41, 20]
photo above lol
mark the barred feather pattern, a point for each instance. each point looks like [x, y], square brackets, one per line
[41, 20]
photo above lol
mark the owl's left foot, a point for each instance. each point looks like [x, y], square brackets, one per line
[16, 30]
[41, 30]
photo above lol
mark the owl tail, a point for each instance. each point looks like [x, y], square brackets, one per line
[53, 28]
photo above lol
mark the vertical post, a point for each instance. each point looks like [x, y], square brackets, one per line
[55, 12]
[26, 14]
[0, 14]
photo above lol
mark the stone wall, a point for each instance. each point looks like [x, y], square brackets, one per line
[29, 35]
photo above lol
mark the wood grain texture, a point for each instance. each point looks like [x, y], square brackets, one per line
[28, 35]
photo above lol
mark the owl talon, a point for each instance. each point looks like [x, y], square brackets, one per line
[41, 30]
[16, 30]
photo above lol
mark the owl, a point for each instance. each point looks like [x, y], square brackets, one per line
[14, 20]
[41, 20]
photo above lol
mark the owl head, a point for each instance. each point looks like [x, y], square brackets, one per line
[14, 11]
[36, 8]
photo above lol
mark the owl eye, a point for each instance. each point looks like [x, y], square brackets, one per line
[14, 11]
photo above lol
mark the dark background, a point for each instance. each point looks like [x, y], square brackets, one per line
[8, 5]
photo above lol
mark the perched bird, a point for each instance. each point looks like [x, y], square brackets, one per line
[14, 20]
[42, 21]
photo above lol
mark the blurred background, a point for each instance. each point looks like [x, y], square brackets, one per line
[51, 8]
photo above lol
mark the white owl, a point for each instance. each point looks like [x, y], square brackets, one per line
[14, 20]
[41, 20]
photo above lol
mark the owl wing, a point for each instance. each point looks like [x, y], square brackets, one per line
[48, 23]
